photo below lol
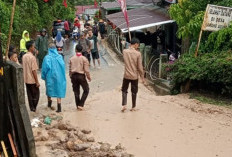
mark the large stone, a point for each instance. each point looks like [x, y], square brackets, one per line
[127, 155]
[86, 131]
[62, 126]
[82, 136]
[119, 146]
[70, 145]
[90, 139]
[55, 153]
[71, 135]
[105, 147]
[81, 147]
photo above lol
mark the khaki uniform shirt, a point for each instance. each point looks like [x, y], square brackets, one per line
[133, 64]
[79, 64]
[29, 65]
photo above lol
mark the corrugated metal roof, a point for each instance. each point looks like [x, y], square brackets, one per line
[81, 9]
[140, 18]
[109, 5]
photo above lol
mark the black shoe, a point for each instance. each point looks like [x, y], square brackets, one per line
[58, 108]
[50, 103]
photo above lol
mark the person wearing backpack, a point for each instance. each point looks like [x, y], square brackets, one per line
[95, 29]
[86, 45]
[23, 49]
[102, 28]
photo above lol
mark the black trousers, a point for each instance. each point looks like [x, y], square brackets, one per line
[77, 81]
[134, 91]
[33, 94]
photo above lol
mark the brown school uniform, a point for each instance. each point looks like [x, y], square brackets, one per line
[78, 70]
[33, 93]
[133, 69]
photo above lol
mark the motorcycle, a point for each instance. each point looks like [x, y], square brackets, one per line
[60, 51]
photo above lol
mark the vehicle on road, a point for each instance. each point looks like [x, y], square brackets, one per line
[76, 33]
[58, 25]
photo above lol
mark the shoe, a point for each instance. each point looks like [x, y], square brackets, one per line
[58, 108]
[50, 104]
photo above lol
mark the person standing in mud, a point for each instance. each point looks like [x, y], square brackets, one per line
[23, 49]
[86, 45]
[53, 72]
[102, 28]
[41, 44]
[78, 71]
[133, 69]
[94, 48]
[30, 68]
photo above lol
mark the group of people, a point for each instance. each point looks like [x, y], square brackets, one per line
[53, 73]
[53, 68]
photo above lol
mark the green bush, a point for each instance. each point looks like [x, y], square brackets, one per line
[212, 68]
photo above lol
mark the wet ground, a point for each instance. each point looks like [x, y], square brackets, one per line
[164, 126]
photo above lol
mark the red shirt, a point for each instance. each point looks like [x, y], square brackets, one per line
[66, 25]
[77, 24]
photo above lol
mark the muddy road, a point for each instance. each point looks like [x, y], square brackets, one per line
[164, 126]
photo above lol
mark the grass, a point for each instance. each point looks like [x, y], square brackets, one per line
[212, 99]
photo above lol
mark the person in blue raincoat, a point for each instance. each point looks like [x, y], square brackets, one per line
[53, 73]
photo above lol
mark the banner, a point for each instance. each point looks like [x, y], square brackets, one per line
[124, 10]
[65, 3]
[95, 4]
[216, 18]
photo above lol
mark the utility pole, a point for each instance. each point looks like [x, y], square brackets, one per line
[10, 28]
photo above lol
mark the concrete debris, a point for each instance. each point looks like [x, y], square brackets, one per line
[105, 147]
[86, 131]
[68, 141]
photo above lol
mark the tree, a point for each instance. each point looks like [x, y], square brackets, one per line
[189, 15]
[32, 15]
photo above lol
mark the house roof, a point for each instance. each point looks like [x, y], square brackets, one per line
[81, 8]
[130, 3]
[140, 18]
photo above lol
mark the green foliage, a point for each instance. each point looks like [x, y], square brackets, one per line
[189, 15]
[5, 9]
[213, 68]
[97, 16]
[32, 15]
[212, 99]
[219, 41]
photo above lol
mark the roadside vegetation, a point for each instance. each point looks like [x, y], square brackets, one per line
[33, 15]
[212, 69]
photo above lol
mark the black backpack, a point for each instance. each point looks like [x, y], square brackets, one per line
[95, 30]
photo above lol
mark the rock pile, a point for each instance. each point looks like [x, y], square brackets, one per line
[71, 141]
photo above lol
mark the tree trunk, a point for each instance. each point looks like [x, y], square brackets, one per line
[185, 45]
